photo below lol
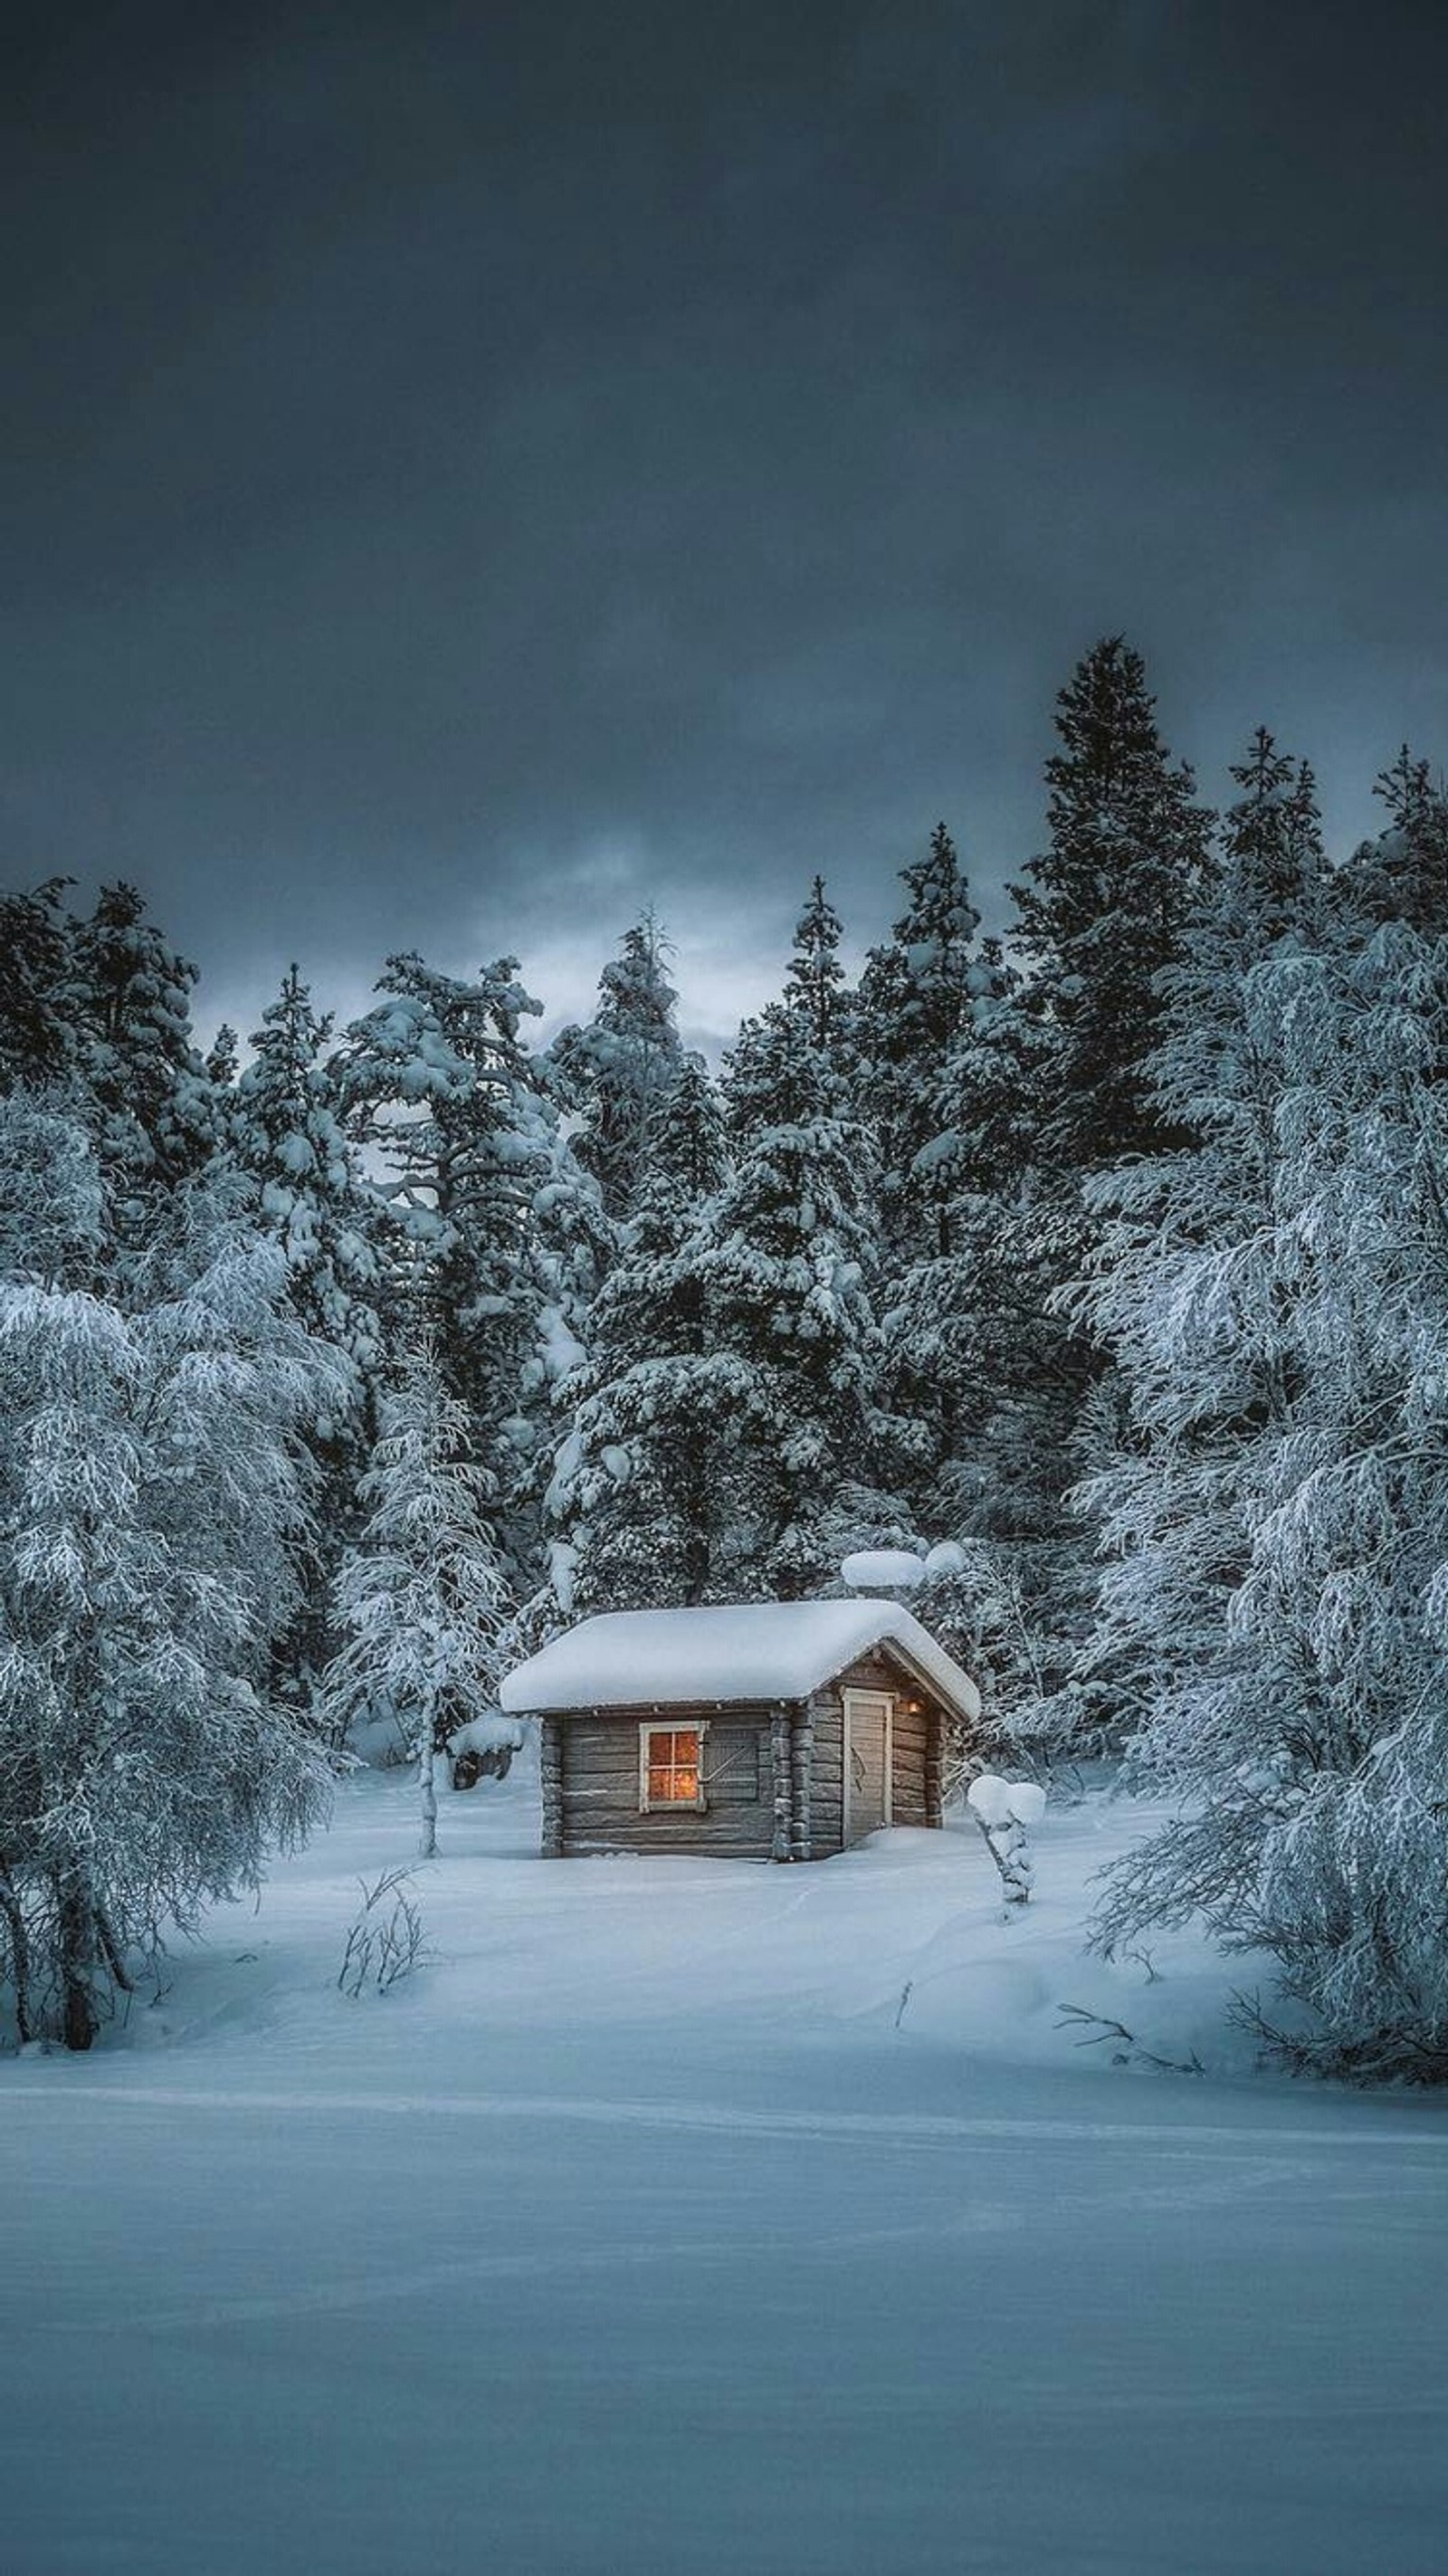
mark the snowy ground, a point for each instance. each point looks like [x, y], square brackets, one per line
[656, 2230]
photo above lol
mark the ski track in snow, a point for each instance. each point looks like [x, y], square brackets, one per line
[867, 2127]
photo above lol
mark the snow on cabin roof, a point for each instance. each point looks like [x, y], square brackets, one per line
[757, 1650]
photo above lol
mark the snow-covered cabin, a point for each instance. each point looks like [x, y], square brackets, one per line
[777, 1730]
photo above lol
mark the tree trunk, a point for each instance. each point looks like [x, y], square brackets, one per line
[428, 1786]
[10, 1907]
[1010, 1850]
[75, 1917]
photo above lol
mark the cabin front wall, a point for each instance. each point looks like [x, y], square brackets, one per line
[773, 1777]
[591, 1801]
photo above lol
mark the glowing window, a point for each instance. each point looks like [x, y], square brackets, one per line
[670, 1769]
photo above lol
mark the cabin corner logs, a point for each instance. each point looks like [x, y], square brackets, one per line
[783, 1780]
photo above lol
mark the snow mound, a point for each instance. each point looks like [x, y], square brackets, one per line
[757, 1650]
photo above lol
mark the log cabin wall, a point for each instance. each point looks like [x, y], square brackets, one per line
[827, 1772]
[917, 1736]
[773, 1777]
[598, 1795]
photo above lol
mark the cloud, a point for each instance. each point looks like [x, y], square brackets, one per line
[471, 474]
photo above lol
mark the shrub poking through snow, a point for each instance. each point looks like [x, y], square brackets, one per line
[1004, 1809]
[385, 1941]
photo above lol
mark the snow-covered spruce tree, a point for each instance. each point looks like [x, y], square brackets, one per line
[1047, 1089]
[285, 1133]
[39, 1039]
[928, 1024]
[1277, 1293]
[1101, 911]
[814, 984]
[616, 1072]
[1220, 1076]
[154, 1107]
[1403, 874]
[788, 1267]
[223, 1062]
[643, 1500]
[1273, 877]
[421, 1599]
[915, 998]
[152, 1505]
[437, 1085]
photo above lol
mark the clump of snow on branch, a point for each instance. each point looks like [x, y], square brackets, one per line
[882, 1569]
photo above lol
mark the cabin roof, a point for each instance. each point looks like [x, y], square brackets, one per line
[756, 1650]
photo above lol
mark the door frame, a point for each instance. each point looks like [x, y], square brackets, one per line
[885, 1700]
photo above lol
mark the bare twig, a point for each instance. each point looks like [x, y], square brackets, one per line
[1100, 2026]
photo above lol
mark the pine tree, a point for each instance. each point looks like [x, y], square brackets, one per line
[1043, 1086]
[644, 1485]
[286, 1135]
[38, 1034]
[1101, 912]
[1273, 862]
[154, 1107]
[925, 998]
[1276, 1295]
[1403, 875]
[971, 1342]
[223, 1059]
[916, 999]
[421, 1599]
[438, 1088]
[617, 1072]
[286, 1132]
[788, 1267]
[152, 1491]
[1219, 1080]
[815, 980]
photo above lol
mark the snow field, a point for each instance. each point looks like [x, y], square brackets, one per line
[688, 2216]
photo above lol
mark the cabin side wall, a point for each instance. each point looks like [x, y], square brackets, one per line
[918, 1737]
[598, 1785]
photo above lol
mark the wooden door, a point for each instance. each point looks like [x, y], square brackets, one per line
[867, 1749]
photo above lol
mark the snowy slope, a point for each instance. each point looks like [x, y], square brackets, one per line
[687, 2217]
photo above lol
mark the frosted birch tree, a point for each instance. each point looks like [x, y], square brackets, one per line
[152, 1507]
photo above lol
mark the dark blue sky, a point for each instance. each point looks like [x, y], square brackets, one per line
[467, 472]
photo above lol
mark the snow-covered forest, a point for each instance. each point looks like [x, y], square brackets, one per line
[1111, 1246]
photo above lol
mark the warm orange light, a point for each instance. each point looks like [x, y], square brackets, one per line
[673, 1766]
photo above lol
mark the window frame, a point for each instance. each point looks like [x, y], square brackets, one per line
[650, 1727]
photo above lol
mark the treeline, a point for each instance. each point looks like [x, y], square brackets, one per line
[1114, 1248]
